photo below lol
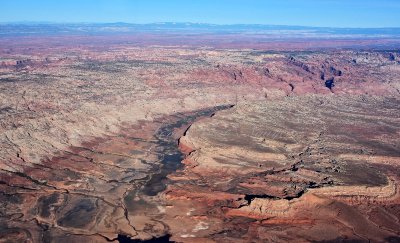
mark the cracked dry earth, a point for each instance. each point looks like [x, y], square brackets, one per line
[125, 144]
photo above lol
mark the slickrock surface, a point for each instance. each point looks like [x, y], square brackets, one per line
[89, 134]
[311, 168]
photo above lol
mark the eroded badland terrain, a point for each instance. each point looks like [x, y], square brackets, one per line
[107, 139]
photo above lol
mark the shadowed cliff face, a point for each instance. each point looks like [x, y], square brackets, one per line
[89, 143]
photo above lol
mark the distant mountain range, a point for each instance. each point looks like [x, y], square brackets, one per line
[34, 28]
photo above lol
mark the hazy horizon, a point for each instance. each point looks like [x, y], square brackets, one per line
[307, 13]
[188, 23]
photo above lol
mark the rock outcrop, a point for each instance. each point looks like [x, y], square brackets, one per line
[300, 168]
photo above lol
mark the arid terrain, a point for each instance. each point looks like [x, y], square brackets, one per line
[159, 138]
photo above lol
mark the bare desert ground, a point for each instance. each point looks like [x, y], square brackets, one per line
[124, 139]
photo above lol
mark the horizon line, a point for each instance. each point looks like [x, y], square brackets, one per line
[192, 23]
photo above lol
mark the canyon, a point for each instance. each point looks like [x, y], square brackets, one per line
[148, 138]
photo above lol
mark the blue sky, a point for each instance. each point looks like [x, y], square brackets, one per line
[329, 13]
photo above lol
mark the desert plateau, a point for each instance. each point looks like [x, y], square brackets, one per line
[177, 133]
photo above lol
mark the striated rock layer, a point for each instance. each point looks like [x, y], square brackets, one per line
[314, 168]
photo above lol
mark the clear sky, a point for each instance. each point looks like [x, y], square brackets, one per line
[329, 13]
